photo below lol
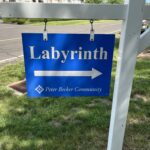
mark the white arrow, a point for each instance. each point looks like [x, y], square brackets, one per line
[93, 73]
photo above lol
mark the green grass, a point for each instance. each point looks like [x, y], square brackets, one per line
[39, 22]
[72, 22]
[78, 123]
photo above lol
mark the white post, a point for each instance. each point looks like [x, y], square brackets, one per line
[129, 46]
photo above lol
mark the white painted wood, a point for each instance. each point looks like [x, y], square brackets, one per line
[144, 41]
[129, 45]
[66, 11]
[62, 11]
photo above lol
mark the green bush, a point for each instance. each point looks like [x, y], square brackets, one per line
[23, 21]
[9, 20]
[14, 20]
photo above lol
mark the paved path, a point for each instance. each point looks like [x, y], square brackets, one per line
[10, 35]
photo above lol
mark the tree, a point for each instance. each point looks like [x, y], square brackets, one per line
[105, 1]
[94, 1]
[115, 1]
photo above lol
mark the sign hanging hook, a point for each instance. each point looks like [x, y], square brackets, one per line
[92, 30]
[45, 35]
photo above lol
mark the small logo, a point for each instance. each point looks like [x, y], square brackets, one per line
[39, 89]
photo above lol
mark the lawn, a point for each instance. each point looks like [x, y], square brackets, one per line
[72, 22]
[70, 123]
[39, 22]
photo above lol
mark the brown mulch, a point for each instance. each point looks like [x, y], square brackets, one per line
[19, 86]
[145, 54]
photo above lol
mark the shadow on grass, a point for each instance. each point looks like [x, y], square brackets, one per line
[61, 123]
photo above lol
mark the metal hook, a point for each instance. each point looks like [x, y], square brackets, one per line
[92, 21]
[45, 35]
[92, 30]
[45, 22]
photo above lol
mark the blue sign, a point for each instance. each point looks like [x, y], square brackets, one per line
[68, 64]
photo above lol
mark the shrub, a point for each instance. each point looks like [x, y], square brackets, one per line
[14, 20]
